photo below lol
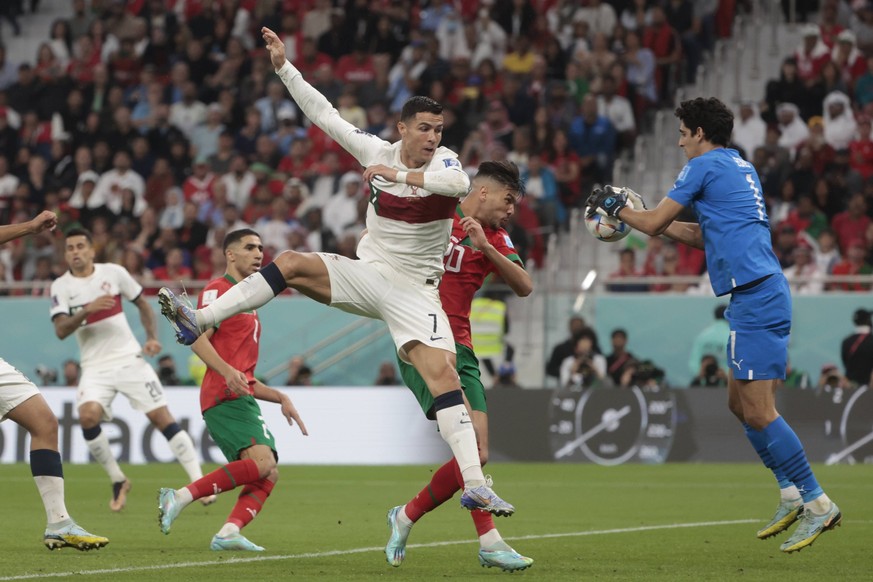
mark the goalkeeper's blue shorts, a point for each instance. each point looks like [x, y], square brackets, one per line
[760, 323]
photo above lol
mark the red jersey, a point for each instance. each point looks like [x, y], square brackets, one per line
[466, 269]
[236, 341]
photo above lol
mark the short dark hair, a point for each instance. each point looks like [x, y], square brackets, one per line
[710, 115]
[236, 236]
[79, 231]
[503, 172]
[862, 317]
[419, 104]
[619, 331]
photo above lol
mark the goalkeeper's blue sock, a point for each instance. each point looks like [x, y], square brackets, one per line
[790, 459]
[759, 442]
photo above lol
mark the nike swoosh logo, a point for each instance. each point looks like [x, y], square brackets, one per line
[466, 422]
[435, 338]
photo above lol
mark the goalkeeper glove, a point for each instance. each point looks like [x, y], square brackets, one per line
[608, 201]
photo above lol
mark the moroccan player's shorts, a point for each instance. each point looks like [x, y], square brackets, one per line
[471, 382]
[133, 377]
[411, 308]
[760, 322]
[236, 425]
[15, 388]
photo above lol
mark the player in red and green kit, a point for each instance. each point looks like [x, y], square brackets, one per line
[478, 247]
[227, 400]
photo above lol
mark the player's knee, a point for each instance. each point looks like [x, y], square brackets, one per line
[273, 476]
[736, 409]
[288, 263]
[266, 466]
[47, 427]
[757, 420]
[88, 419]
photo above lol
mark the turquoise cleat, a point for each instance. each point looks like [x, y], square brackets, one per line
[811, 526]
[73, 536]
[180, 315]
[482, 497]
[168, 509]
[234, 542]
[503, 557]
[395, 550]
[786, 514]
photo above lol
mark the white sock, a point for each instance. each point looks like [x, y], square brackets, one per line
[250, 293]
[184, 496]
[229, 529]
[101, 452]
[789, 493]
[403, 519]
[51, 489]
[183, 448]
[489, 538]
[819, 505]
[456, 428]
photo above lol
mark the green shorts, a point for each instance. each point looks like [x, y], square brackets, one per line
[471, 381]
[236, 425]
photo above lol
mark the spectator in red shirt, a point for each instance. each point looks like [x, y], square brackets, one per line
[811, 55]
[310, 59]
[356, 67]
[852, 223]
[174, 270]
[854, 264]
[861, 149]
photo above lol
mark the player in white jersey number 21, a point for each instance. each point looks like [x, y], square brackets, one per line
[415, 186]
[86, 301]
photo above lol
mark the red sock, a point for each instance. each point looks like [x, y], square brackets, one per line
[442, 486]
[225, 478]
[250, 502]
[483, 520]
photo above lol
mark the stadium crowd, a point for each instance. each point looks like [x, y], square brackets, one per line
[160, 125]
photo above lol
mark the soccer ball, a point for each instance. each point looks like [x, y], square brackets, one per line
[606, 228]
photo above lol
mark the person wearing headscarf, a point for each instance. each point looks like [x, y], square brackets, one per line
[839, 120]
[750, 131]
[794, 130]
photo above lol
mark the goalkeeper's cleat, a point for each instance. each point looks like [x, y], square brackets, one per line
[482, 497]
[786, 514]
[395, 549]
[169, 509]
[811, 526]
[180, 315]
[503, 557]
[208, 500]
[73, 536]
[119, 495]
[234, 542]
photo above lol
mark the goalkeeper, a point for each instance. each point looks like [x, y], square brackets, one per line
[725, 193]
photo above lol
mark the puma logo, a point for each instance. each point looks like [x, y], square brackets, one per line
[739, 364]
[215, 489]
[254, 512]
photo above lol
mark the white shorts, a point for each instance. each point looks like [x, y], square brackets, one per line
[15, 388]
[412, 310]
[134, 378]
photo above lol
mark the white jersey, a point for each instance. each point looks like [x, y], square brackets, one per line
[105, 338]
[408, 228]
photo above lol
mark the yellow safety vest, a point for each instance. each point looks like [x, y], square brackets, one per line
[487, 324]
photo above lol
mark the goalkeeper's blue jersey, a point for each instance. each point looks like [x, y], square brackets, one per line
[725, 193]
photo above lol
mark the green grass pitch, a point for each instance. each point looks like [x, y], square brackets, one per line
[668, 522]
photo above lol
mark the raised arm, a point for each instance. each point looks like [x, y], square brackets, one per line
[317, 108]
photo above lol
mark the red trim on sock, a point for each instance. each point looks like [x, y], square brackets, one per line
[443, 485]
[251, 500]
[225, 478]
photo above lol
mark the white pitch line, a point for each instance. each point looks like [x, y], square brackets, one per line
[364, 550]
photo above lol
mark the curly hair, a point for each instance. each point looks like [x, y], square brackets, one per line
[710, 115]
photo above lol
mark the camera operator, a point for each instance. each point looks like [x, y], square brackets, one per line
[710, 374]
[857, 350]
[585, 367]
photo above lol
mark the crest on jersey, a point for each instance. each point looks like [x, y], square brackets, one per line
[452, 163]
[508, 241]
[55, 301]
[106, 287]
[682, 174]
[209, 296]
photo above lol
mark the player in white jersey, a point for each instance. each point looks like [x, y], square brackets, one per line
[414, 189]
[21, 402]
[86, 301]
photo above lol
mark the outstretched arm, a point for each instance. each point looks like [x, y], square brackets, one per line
[661, 220]
[45, 220]
[514, 274]
[317, 108]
